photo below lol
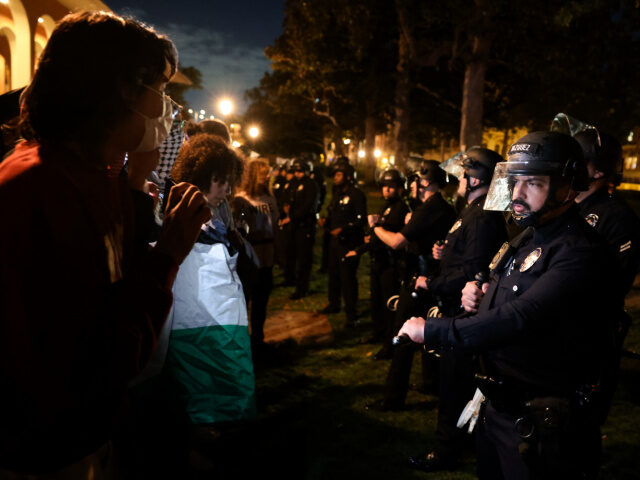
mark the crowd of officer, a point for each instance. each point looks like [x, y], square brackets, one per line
[515, 300]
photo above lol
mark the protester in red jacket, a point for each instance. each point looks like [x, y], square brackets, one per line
[82, 299]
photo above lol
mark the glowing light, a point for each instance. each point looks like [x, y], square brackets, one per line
[6, 2]
[392, 159]
[226, 106]
[630, 137]
[385, 161]
[190, 110]
[377, 153]
[361, 153]
[254, 132]
[201, 117]
[211, 117]
[40, 19]
[236, 144]
[202, 112]
[346, 141]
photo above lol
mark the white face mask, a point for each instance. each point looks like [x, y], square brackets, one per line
[156, 130]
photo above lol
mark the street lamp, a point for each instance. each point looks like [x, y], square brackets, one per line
[226, 106]
[254, 132]
[377, 153]
[361, 154]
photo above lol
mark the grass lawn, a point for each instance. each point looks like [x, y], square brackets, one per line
[314, 422]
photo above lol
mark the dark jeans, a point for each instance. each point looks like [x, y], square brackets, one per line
[261, 289]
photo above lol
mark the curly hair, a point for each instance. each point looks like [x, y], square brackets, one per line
[250, 180]
[205, 158]
[92, 66]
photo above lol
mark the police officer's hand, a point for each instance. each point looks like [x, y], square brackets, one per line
[414, 327]
[373, 220]
[472, 295]
[336, 231]
[407, 217]
[286, 209]
[284, 221]
[186, 211]
[351, 253]
[436, 251]
[367, 238]
[421, 282]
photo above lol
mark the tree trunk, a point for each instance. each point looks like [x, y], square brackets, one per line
[369, 145]
[472, 95]
[403, 89]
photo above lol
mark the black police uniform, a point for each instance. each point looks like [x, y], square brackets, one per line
[348, 211]
[538, 326]
[620, 228]
[284, 237]
[302, 212]
[385, 268]
[429, 223]
[468, 249]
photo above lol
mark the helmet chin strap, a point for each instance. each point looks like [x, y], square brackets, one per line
[469, 189]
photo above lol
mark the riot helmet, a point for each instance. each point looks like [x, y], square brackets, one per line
[347, 170]
[476, 162]
[392, 177]
[430, 171]
[551, 159]
[603, 152]
[299, 165]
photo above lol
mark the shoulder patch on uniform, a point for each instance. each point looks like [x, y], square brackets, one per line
[456, 226]
[625, 246]
[592, 219]
[530, 260]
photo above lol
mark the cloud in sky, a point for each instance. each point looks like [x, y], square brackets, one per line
[228, 67]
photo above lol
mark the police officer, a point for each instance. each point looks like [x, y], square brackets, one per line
[467, 250]
[316, 175]
[428, 224]
[345, 224]
[284, 237]
[302, 212]
[539, 320]
[620, 228]
[385, 262]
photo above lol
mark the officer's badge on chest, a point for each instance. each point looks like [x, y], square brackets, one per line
[300, 187]
[592, 219]
[530, 260]
[386, 212]
[344, 200]
[455, 226]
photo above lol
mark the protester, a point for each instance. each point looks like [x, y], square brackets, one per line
[82, 297]
[256, 208]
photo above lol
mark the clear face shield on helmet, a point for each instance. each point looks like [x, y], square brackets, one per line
[569, 125]
[505, 178]
[453, 165]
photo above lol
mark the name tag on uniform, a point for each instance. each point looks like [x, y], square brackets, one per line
[592, 219]
[530, 260]
[456, 226]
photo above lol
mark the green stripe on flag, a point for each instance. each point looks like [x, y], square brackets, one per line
[213, 370]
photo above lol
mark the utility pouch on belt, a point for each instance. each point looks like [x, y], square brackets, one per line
[543, 427]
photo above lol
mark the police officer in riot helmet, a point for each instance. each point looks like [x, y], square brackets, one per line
[385, 262]
[612, 218]
[467, 250]
[532, 323]
[345, 223]
[302, 213]
[428, 224]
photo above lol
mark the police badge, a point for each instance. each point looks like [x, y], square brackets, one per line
[592, 219]
[530, 260]
[386, 212]
[498, 256]
[455, 226]
[300, 187]
[345, 200]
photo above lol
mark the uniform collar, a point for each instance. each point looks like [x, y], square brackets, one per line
[593, 199]
[556, 226]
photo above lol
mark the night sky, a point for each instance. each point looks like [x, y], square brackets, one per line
[224, 40]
